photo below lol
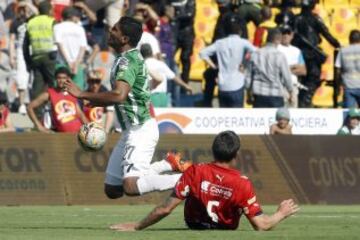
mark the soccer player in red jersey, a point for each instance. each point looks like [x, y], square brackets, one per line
[216, 195]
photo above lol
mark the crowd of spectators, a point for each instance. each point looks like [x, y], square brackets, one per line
[42, 38]
[279, 68]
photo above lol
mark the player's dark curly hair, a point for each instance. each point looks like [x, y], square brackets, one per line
[131, 28]
[225, 146]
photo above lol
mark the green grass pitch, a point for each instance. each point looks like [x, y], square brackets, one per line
[91, 222]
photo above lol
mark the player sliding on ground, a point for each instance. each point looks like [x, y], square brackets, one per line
[129, 170]
[216, 195]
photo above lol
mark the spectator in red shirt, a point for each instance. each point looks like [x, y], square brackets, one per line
[5, 122]
[261, 31]
[216, 195]
[97, 113]
[66, 114]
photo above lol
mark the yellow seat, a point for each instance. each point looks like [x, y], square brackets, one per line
[335, 3]
[323, 96]
[355, 3]
[343, 21]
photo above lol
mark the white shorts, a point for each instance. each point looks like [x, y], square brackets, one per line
[22, 75]
[133, 153]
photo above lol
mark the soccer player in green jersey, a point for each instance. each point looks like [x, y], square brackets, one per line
[129, 169]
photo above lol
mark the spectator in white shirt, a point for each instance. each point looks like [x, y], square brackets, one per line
[348, 68]
[230, 52]
[71, 40]
[148, 38]
[158, 86]
[295, 61]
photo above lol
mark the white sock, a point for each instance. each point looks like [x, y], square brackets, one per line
[161, 166]
[151, 183]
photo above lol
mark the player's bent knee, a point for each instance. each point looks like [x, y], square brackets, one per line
[130, 186]
[113, 192]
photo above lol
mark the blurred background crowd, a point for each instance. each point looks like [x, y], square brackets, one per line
[206, 53]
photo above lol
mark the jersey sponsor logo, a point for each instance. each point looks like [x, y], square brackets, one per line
[216, 190]
[220, 178]
[65, 111]
[205, 186]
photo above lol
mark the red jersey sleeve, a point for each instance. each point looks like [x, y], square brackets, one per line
[183, 186]
[248, 202]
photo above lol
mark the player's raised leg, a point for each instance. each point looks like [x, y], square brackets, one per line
[129, 170]
[173, 161]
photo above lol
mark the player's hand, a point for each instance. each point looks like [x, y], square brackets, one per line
[71, 88]
[288, 207]
[79, 5]
[74, 68]
[13, 63]
[291, 97]
[189, 89]
[124, 227]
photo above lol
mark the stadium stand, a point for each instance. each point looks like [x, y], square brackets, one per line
[341, 16]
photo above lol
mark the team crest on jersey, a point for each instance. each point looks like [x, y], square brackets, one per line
[186, 191]
[65, 111]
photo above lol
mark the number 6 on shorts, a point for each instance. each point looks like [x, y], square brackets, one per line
[210, 205]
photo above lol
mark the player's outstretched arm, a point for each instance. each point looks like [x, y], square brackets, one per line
[153, 217]
[265, 222]
[117, 95]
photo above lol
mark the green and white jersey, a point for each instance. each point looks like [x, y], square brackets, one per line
[130, 67]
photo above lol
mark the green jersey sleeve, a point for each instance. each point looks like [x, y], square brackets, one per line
[126, 71]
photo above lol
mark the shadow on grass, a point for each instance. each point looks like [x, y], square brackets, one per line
[194, 230]
[166, 229]
[57, 227]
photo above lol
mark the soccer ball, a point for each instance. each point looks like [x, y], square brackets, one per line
[92, 136]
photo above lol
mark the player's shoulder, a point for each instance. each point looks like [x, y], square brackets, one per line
[241, 181]
[133, 55]
[131, 58]
[199, 168]
[244, 179]
[122, 63]
[211, 167]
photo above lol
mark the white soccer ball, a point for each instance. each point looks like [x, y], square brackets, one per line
[92, 136]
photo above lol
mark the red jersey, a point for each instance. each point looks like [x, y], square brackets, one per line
[4, 114]
[94, 114]
[216, 197]
[64, 114]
